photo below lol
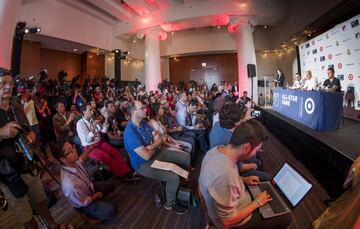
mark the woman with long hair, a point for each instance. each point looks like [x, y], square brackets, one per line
[156, 115]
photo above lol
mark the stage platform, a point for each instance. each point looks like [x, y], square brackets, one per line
[328, 155]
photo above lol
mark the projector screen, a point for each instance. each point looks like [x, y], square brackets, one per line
[339, 47]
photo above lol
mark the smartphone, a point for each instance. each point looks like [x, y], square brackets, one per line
[255, 113]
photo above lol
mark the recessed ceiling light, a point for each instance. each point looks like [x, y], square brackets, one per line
[218, 27]
[265, 26]
[203, 64]
[75, 50]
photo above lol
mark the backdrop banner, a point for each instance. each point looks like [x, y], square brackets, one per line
[339, 48]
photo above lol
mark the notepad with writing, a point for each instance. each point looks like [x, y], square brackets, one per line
[170, 167]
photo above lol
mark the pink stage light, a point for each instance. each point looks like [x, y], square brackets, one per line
[232, 28]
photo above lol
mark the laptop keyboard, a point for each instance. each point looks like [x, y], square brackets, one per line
[275, 204]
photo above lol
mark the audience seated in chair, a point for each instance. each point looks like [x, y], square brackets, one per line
[145, 145]
[228, 202]
[64, 123]
[230, 117]
[89, 131]
[156, 114]
[114, 134]
[84, 195]
[187, 121]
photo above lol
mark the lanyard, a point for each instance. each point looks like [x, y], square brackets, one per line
[87, 183]
[88, 128]
[145, 135]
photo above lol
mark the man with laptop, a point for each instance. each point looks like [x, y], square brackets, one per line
[228, 202]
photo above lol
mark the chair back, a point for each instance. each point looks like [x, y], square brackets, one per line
[208, 222]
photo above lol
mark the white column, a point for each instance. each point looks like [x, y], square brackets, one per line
[152, 62]
[246, 55]
[9, 10]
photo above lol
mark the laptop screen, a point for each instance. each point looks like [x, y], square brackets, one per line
[292, 184]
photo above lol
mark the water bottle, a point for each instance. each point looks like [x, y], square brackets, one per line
[157, 201]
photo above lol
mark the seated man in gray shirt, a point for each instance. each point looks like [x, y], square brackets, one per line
[84, 195]
[228, 202]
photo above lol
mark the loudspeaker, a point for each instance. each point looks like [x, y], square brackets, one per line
[251, 70]
[117, 69]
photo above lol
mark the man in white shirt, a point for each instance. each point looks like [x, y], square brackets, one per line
[297, 84]
[310, 82]
[89, 133]
[184, 119]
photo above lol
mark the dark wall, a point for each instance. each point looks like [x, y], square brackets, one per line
[35, 58]
[219, 67]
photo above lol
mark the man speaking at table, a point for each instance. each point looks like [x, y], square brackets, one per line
[332, 84]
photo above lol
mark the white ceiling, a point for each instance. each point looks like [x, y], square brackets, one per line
[130, 16]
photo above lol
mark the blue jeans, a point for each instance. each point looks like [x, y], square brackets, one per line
[263, 176]
[99, 209]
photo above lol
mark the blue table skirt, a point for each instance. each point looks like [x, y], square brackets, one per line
[320, 111]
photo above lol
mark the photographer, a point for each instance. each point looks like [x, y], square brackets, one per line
[16, 178]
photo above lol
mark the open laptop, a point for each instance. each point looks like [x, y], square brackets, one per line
[288, 186]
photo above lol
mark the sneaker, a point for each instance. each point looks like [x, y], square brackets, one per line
[177, 209]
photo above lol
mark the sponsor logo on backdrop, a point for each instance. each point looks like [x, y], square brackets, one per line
[329, 46]
[307, 45]
[351, 77]
[357, 35]
[320, 39]
[313, 42]
[330, 66]
[340, 77]
[322, 67]
[354, 23]
[321, 49]
[351, 64]
[339, 65]
[347, 39]
[302, 46]
[309, 105]
[337, 43]
[335, 32]
[315, 59]
[322, 58]
[348, 52]
[343, 27]
[356, 50]
[330, 56]
[276, 100]
[314, 51]
[338, 54]
[358, 103]
[308, 52]
[327, 36]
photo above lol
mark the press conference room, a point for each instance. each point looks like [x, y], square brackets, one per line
[179, 114]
